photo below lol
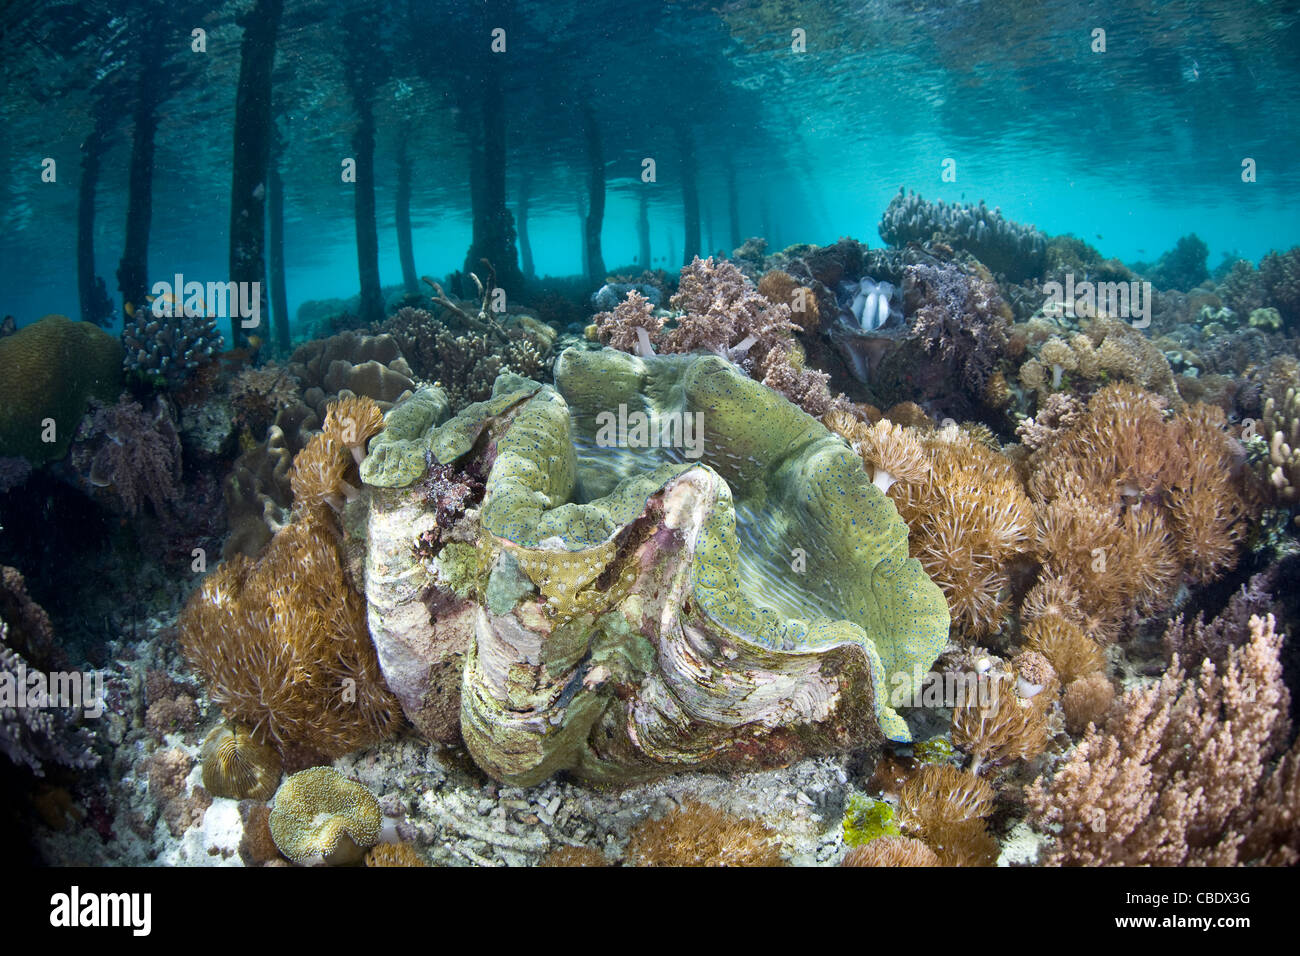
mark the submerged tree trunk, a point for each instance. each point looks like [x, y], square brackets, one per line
[595, 261]
[643, 229]
[690, 196]
[96, 306]
[494, 230]
[363, 149]
[133, 270]
[252, 153]
[279, 295]
[402, 216]
[525, 246]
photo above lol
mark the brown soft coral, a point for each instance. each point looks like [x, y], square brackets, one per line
[968, 518]
[700, 835]
[996, 725]
[945, 807]
[722, 312]
[632, 326]
[283, 646]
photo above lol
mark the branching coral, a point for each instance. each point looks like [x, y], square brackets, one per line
[697, 834]
[967, 518]
[722, 312]
[465, 362]
[31, 733]
[1183, 772]
[1282, 431]
[169, 347]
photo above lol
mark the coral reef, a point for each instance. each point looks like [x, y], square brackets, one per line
[697, 834]
[1184, 771]
[124, 455]
[1004, 246]
[167, 349]
[692, 556]
[321, 815]
[465, 364]
[64, 364]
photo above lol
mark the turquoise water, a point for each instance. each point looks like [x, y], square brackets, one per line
[1128, 148]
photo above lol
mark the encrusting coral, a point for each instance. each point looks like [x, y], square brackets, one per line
[282, 642]
[63, 364]
[891, 851]
[1185, 771]
[321, 815]
[696, 834]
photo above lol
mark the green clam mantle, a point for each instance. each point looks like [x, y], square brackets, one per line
[744, 607]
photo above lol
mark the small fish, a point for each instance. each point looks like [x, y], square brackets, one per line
[1100, 236]
[129, 309]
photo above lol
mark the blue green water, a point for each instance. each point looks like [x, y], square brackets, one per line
[1128, 148]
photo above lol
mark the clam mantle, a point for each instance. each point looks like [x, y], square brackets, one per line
[627, 612]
